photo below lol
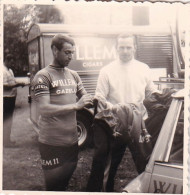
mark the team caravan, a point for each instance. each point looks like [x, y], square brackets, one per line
[95, 48]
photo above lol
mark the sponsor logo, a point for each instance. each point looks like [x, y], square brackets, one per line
[63, 82]
[92, 64]
[54, 161]
[164, 187]
[64, 91]
[40, 80]
[95, 52]
[41, 87]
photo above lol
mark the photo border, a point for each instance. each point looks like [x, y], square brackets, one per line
[187, 92]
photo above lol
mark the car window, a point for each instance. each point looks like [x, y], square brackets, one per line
[176, 154]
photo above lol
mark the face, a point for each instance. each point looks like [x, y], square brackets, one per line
[9, 63]
[125, 49]
[64, 56]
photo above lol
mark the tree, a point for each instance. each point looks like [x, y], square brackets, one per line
[16, 24]
[48, 14]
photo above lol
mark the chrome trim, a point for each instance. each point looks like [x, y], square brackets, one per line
[169, 165]
[167, 155]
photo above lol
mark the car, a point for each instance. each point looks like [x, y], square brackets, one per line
[164, 171]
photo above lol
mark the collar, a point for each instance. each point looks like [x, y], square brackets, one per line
[127, 64]
[57, 68]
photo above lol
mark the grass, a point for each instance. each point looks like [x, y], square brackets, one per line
[21, 165]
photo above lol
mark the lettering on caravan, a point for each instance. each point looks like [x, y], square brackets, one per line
[163, 187]
[95, 52]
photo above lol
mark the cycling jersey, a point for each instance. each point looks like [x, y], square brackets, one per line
[63, 86]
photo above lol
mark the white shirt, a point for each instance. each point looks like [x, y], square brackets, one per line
[9, 79]
[126, 83]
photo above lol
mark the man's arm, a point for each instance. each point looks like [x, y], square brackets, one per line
[80, 88]
[7, 86]
[150, 87]
[48, 109]
[102, 90]
[41, 83]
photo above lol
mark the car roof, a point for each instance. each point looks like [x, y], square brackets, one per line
[179, 94]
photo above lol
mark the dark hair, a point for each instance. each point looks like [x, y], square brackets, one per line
[125, 35]
[9, 57]
[59, 39]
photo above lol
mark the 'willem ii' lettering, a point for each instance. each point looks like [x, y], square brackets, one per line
[63, 82]
[54, 161]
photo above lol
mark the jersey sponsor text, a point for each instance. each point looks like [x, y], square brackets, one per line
[63, 82]
[64, 91]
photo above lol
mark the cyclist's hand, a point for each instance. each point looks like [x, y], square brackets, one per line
[85, 100]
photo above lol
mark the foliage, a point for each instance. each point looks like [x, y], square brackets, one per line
[48, 14]
[16, 24]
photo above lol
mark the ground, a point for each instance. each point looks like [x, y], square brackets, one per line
[21, 165]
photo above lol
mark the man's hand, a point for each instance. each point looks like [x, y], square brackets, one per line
[21, 84]
[85, 100]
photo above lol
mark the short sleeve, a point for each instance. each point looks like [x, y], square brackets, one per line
[40, 85]
[80, 88]
[5, 79]
[8, 77]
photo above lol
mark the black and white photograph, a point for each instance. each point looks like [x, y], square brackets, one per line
[95, 96]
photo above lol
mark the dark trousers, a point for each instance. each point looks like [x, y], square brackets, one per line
[57, 179]
[107, 148]
[57, 175]
[8, 110]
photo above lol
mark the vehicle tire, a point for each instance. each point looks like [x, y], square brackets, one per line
[84, 130]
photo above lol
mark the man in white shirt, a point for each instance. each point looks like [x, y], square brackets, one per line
[125, 80]
[9, 98]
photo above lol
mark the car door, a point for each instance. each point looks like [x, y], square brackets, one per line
[167, 175]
